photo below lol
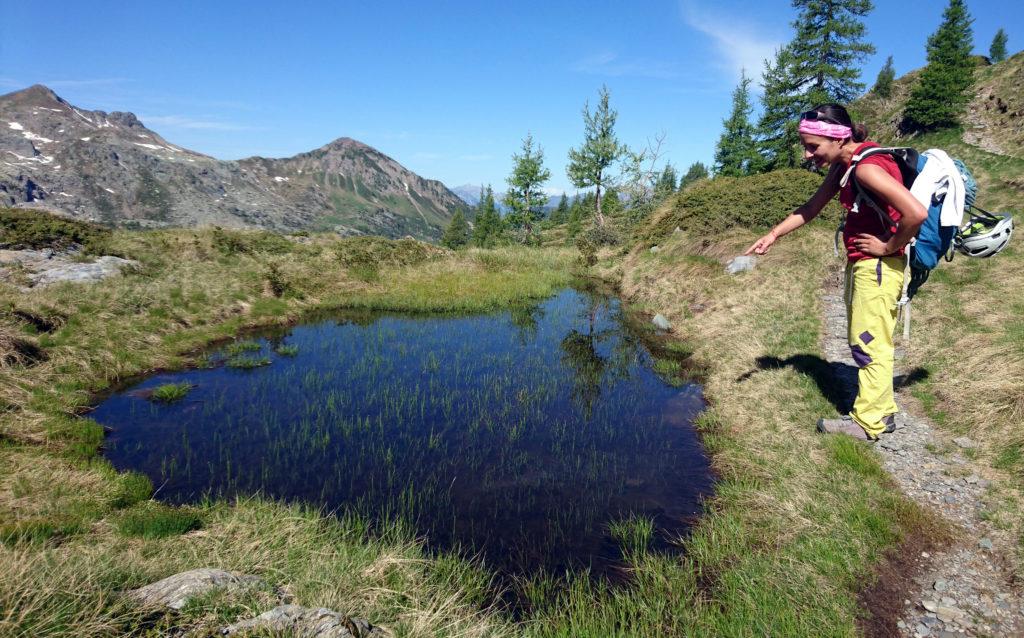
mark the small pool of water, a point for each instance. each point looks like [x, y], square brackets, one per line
[519, 436]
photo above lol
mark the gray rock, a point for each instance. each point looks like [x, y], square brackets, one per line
[306, 623]
[965, 442]
[930, 605]
[655, 250]
[740, 264]
[922, 631]
[985, 543]
[661, 322]
[174, 591]
[940, 585]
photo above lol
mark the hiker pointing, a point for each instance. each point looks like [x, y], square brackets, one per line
[874, 242]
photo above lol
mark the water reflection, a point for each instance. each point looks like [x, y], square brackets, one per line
[520, 436]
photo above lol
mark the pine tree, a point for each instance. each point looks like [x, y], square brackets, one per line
[666, 184]
[827, 49]
[735, 153]
[883, 85]
[943, 90]
[589, 165]
[561, 213]
[488, 229]
[777, 137]
[697, 171]
[997, 51]
[457, 233]
[526, 197]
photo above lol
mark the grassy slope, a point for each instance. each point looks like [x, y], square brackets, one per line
[73, 533]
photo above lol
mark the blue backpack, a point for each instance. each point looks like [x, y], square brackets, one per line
[933, 240]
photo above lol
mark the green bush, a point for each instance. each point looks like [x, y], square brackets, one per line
[232, 242]
[757, 202]
[27, 229]
[154, 520]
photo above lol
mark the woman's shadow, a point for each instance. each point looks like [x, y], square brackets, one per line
[836, 381]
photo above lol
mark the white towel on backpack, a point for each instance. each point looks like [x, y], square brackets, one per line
[940, 177]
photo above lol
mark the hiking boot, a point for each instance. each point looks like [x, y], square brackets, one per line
[843, 425]
[892, 422]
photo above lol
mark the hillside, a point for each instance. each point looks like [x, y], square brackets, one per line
[991, 139]
[109, 168]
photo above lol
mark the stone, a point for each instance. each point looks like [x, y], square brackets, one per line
[940, 585]
[948, 614]
[985, 543]
[305, 621]
[930, 605]
[174, 591]
[655, 250]
[740, 264]
[921, 631]
[965, 443]
[661, 322]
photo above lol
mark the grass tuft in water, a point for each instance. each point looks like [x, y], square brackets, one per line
[170, 392]
[247, 363]
[239, 347]
[634, 534]
[287, 351]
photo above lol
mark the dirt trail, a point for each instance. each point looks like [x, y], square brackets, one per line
[965, 588]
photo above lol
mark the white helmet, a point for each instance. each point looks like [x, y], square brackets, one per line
[984, 236]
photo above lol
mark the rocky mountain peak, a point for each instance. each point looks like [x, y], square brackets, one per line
[35, 95]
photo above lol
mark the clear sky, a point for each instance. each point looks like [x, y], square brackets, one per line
[448, 89]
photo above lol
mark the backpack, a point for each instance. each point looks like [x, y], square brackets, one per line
[933, 240]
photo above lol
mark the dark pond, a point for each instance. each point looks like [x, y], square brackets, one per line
[521, 436]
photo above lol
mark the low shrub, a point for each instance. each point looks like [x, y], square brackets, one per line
[756, 202]
[29, 229]
[373, 252]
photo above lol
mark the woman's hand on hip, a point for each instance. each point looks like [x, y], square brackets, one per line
[871, 245]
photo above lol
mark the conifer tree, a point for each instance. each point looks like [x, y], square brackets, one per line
[943, 90]
[827, 49]
[697, 171]
[883, 85]
[589, 165]
[666, 184]
[735, 153]
[457, 233]
[781, 103]
[526, 197]
[488, 229]
[561, 213]
[997, 51]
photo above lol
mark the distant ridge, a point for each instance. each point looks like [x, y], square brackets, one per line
[110, 168]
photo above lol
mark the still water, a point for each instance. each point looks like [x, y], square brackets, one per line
[518, 436]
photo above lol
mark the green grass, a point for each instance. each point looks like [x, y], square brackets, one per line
[287, 350]
[151, 520]
[171, 392]
[240, 347]
[247, 363]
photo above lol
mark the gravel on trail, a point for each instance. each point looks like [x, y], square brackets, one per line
[965, 588]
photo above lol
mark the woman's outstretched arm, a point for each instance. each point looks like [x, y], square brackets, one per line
[828, 189]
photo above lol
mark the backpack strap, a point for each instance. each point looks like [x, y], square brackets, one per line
[860, 195]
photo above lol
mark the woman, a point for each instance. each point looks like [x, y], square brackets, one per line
[874, 252]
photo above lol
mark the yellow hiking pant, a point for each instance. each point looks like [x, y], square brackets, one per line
[873, 286]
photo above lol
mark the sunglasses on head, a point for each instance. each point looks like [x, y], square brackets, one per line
[814, 115]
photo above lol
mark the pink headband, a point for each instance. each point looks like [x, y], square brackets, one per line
[826, 129]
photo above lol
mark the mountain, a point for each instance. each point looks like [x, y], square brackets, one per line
[108, 167]
[470, 194]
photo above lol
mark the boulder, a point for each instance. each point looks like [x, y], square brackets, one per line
[740, 264]
[174, 591]
[306, 623]
[661, 322]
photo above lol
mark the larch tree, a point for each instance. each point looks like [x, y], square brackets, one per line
[883, 85]
[590, 164]
[943, 90]
[525, 197]
[997, 50]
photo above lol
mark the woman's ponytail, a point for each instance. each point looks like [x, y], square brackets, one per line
[860, 132]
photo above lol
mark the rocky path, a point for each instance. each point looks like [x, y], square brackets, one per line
[964, 589]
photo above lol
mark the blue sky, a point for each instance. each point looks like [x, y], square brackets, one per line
[449, 89]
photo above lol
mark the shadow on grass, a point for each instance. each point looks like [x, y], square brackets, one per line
[836, 381]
